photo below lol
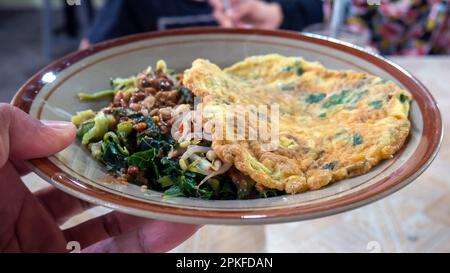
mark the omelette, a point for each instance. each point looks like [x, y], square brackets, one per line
[333, 124]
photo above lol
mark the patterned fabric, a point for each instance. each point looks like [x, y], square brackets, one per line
[404, 27]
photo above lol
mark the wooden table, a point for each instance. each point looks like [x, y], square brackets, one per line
[415, 219]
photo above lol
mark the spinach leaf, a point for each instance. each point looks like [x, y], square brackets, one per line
[357, 139]
[376, 104]
[336, 99]
[173, 191]
[315, 98]
[186, 95]
[170, 167]
[403, 98]
[329, 166]
[297, 67]
[146, 161]
[355, 97]
[228, 191]
[143, 159]
[113, 158]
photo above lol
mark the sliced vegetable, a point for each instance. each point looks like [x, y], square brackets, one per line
[336, 99]
[101, 124]
[376, 104]
[123, 83]
[165, 181]
[315, 98]
[113, 158]
[354, 98]
[357, 139]
[329, 166]
[97, 96]
[82, 116]
[124, 129]
[85, 127]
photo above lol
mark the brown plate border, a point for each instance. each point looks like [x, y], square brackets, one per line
[423, 155]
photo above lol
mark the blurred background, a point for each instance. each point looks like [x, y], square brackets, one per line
[413, 33]
[35, 32]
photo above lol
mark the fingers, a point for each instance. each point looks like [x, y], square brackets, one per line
[61, 205]
[220, 14]
[126, 233]
[243, 9]
[23, 137]
[223, 19]
[157, 236]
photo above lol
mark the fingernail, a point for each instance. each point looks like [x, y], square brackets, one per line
[57, 124]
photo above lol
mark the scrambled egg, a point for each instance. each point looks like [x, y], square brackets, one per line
[332, 124]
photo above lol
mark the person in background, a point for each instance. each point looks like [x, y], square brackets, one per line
[122, 17]
[404, 27]
[284, 14]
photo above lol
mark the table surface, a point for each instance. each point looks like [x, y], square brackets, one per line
[414, 219]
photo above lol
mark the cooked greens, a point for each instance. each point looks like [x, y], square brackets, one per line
[132, 138]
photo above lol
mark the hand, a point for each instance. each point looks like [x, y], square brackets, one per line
[30, 222]
[248, 13]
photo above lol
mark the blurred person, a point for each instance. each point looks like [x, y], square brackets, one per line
[404, 27]
[30, 222]
[284, 14]
[123, 17]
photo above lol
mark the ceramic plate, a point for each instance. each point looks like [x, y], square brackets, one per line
[52, 94]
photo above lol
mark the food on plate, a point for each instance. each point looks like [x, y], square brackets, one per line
[329, 125]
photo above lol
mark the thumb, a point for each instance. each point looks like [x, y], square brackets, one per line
[23, 137]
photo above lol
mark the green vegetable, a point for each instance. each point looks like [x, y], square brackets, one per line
[228, 191]
[357, 139]
[111, 136]
[329, 166]
[315, 98]
[269, 193]
[96, 150]
[97, 96]
[287, 87]
[123, 83]
[323, 115]
[336, 99]
[403, 98]
[173, 191]
[101, 124]
[152, 129]
[353, 98]
[123, 112]
[146, 161]
[165, 181]
[186, 96]
[297, 67]
[82, 116]
[255, 164]
[170, 167]
[85, 127]
[113, 158]
[215, 184]
[124, 129]
[376, 104]
[186, 185]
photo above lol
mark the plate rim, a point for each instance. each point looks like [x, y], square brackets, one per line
[47, 170]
